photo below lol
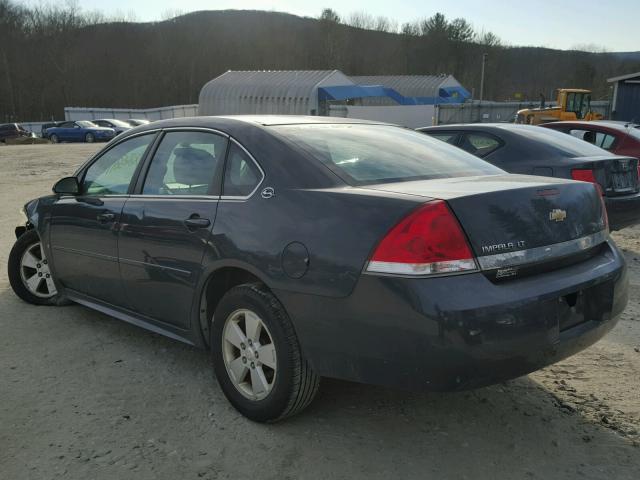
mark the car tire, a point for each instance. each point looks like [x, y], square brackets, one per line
[289, 381]
[54, 138]
[89, 138]
[29, 273]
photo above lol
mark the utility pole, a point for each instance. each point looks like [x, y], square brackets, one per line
[484, 61]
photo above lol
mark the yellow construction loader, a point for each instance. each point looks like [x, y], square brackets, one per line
[573, 104]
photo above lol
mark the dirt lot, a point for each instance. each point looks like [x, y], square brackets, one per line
[84, 396]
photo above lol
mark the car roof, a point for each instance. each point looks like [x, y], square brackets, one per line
[513, 127]
[269, 120]
[264, 120]
[240, 125]
[613, 124]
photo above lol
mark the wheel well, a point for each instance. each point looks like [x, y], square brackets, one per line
[219, 283]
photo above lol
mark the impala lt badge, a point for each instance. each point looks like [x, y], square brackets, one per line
[557, 215]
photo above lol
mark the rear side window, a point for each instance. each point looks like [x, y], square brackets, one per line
[369, 154]
[599, 139]
[185, 164]
[480, 144]
[241, 174]
[449, 137]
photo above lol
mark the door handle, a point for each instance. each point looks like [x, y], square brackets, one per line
[196, 222]
[106, 217]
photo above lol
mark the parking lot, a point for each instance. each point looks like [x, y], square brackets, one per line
[84, 396]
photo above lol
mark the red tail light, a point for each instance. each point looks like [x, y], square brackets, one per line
[428, 241]
[586, 175]
[605, 216]
[583, 175]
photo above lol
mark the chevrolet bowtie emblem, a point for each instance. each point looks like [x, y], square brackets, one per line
[557, 215]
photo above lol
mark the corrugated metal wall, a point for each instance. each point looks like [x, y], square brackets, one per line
[152, 114]
[628, 102]
[492, 112]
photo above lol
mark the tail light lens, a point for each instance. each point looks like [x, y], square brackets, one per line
[428, 241]
[605, 216]
[586, 175]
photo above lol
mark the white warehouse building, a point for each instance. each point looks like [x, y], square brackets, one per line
[406, 100]
[267, 92]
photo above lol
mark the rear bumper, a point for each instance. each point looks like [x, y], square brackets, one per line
[459, 332]
[623, 211]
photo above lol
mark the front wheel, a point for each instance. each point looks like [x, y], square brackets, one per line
[257, 358]
[29, 273]
[89, 138]
[54, 138]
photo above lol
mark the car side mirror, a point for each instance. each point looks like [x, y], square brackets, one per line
[67, 186]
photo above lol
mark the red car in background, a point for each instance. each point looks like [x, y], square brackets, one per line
[621, 138]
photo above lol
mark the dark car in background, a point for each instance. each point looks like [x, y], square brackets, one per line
[300, 247]
[12, 131]
[119, 126]
[621, 138]
[79, 131]
[45, 126]
[533, 150]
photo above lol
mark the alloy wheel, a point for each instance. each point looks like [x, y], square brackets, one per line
[35, 273]
[249, 354]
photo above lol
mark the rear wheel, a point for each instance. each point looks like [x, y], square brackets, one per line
[54, 138]
[257, 357]
[29, 272]
[89, 138]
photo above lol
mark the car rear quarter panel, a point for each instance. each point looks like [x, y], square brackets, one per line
[339, 228]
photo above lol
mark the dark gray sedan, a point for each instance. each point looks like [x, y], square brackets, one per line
[299, 247]
[534, 150]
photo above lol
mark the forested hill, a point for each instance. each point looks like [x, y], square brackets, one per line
[54, 58]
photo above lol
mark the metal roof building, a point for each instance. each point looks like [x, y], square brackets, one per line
[267, 92]
[419, 89]
[626, 97]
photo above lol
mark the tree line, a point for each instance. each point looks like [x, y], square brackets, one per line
[57, 56]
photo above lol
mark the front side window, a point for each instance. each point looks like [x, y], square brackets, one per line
[369, 154]
[241, 175]
[185, 164]
[112, 173]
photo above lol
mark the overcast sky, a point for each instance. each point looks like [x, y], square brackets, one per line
[565, 24]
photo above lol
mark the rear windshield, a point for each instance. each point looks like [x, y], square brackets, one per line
[563, 143]
[369, 154]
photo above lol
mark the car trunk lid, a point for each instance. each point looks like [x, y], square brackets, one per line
[616, 175]
[510, 213]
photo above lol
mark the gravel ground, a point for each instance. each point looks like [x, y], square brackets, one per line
[84, 396]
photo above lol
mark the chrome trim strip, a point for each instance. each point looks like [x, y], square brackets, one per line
[137, 263]
[213, 198]
[198, 129]
[232, 197]
[75, 251]
[542, 254]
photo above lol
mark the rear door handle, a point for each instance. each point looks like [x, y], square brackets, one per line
[196, 222]
[106, 217]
